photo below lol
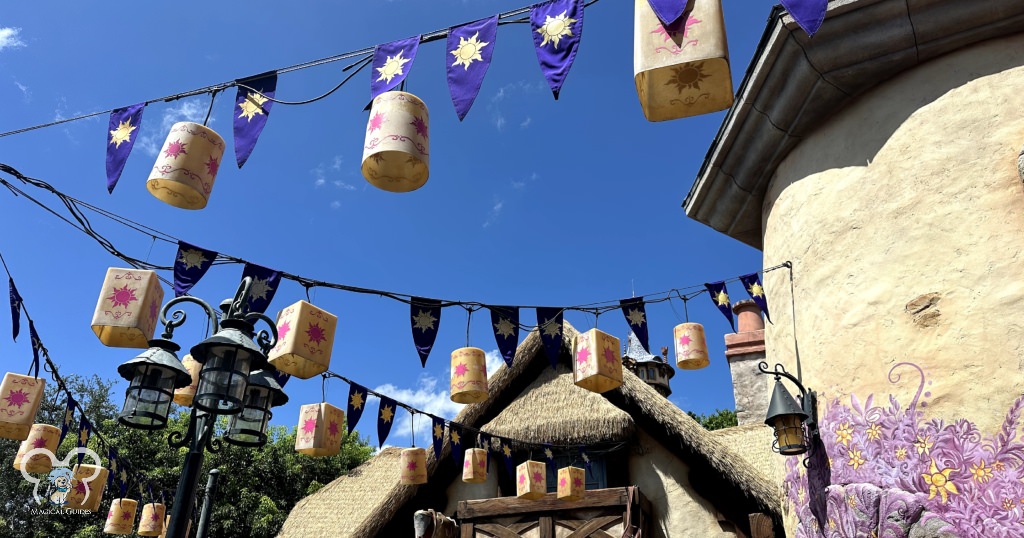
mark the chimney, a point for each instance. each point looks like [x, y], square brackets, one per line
[744, 350]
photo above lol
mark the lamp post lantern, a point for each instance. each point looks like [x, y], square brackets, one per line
[235, 381]
[789, 417]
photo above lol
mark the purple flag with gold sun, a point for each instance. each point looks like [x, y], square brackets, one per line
[385, 418]
[720, 296]
[391, 64]
[426, 318]
[264, 286]
[124, 124]
[505, 321]
[37, 346]
[752, 283]
[636, 317]
[356, 403]
[809, 14]
[190, 264]
[112, 466]
[471, 46]
[16, 303]
[69, 418]
[84, 431]
[437, 433]
[455, 436]
[549, 322]
[557, 26]
[506, 453]
[669, 11]
[252, 109]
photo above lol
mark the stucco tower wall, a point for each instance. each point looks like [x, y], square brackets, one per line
[904, 219]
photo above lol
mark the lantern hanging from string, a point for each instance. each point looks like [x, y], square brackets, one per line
[597, 361]
[414, 466]
[531, 480]
[469, 375]
[167, 523]
[396, 154]
[128, 308]
[572, 483]
[121, 517]
[41, 436]
[184, 396]
[682, 69]
[305, 338]
[187, 166]
[20, 396]
[319, 430]
[691, 346]
[151, 523]
[87, 485]
[474, 468]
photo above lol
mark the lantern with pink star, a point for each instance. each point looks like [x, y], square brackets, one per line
[317, 431]
[691, 346]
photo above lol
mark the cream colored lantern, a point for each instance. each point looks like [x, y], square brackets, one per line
[572, 483]
[184, 396]
[20, 396]
[531, 480]
[40, 436]
[469, 375]
[187, 166]
[319, 430]
[121, 517]
[681, 70]
[128, 309]
[691, 346]
[396, 154]
[305, 338]
[597, 361]
[414, 466]
[167, 523]
[152, 521]
[474, 468]
[87, 485]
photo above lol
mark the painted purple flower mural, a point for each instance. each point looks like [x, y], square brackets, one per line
[891, 469]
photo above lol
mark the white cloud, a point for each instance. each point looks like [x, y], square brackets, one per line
[344, 186]
[495, 212]
[26, 92]
[494, 361]
[10, 38]
[508, 92]
[526, 123]
[193, 110]
[518, 185]
[499, 121]
[336, 165]
[335, 204]
[426, 396]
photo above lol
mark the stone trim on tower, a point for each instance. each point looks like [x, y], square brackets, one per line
[744, 350]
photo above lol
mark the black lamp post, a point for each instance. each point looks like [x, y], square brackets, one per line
[788, 417]
[235, 380]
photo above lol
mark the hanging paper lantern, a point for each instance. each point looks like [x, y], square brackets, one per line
[187, 166]
[597, 361]
[531, 480]
[691, 346]
[474, 468]
[152, 521]
[319, 430]
[396, 155]
[167, 523]
[128, 308]
[39, 436]
[87, 490]
[681, 70]
[572, 483]
[305, 338]
[121, 517]
[469, 375]
[414, 466]
[184, 396]
[20, 396]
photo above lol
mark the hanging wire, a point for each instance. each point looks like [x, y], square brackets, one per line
[213, 98]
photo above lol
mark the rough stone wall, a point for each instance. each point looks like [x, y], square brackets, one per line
[749, 388]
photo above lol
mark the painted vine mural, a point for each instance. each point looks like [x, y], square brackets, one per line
[881, 469]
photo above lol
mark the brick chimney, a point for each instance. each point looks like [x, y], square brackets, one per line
[744, 350]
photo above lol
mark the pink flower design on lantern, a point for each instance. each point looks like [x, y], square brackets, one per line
[461, 369]
[309, 426]
[420, 125]
[609, 356]
[582, 356]
[563, 482]
[376, 122]
[122, 296]
[283, 330]
[16, 398]
[685, 340]
[576, 482]
[537, 477]
[467, 463]
[212, 166]
[80, 487]
[332, 428]
[316, 334]
[154, 516]
[39, 442]
[127, 515]
[411, 465]
[522, 480]
[154, 310]
[175, 149]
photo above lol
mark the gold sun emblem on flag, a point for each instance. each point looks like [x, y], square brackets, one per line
[252, 105]
[555, 28]
[756, 290]
[468, 51]
[505, 328]
[192, 258]
[722, 298]
[392, 67]
[688, 77]
[123, 133]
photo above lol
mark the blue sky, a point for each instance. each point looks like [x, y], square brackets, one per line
[530, 201]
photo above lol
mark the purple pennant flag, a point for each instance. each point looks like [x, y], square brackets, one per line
[636, 317]
[809, 14]
[190, 264]
[720, 296]
[471, 46]
[669, 11]
[16, 303]
[114, 469]
[37, 346]
[124, 125]
[84, 431]
[549, 322]
[752, 283]
[506, 452]
[264, 286]
[356, 404]
[505, 320]
[437, 431]
[455, 436]
[426, 319]
[69, 418]
[253, 110]
[391, 64]
[385, 418]
[557, 27]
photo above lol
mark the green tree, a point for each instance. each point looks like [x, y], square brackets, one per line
[720, 419]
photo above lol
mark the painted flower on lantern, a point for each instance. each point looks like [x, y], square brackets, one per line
[874, 432]
[411, 465]
[212, 166]
[332, 429]
[376, 122]
[685, 339]
[309, 425]
[39, 442]
[980, 472]
[577, 482]
[175, 149]
[856, 459]
[466, 464]
[461, 369]
[609, 353]
[939, 482]
[583, 356]
[127, 515]
[16, 398]
[316, 334]
[420, 126]
[563, 482]
[122, 296]
[283, 330]
[844, 433]
[537, 477]
[522, 480]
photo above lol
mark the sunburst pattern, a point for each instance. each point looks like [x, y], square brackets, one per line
[123, 133]
[555, 28]
[468, 51]
[252, 106]
[688, 77]
[393, 67]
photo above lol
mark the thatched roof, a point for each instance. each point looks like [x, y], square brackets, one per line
[520, 402]
[753, 443]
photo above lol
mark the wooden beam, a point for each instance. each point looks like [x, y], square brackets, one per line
[761, 526]
[547, 527]
[549, 503]
[467, 530]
